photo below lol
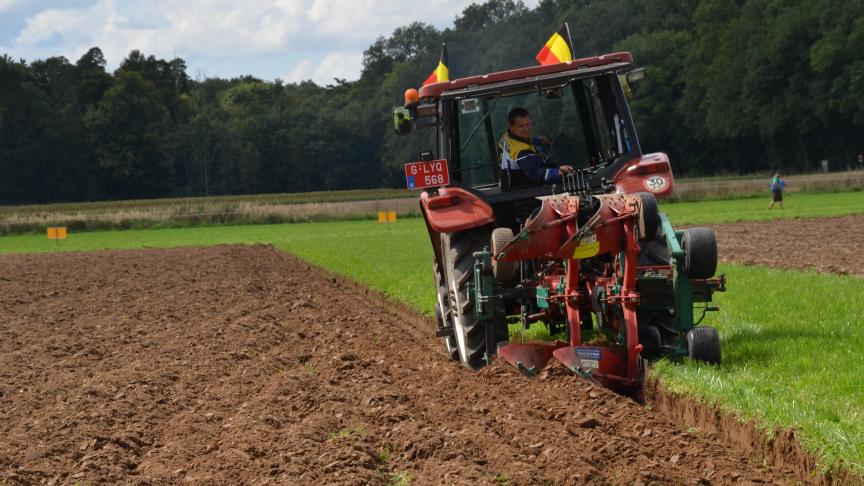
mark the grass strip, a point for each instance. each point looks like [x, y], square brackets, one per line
[791, 346]
[796, 206]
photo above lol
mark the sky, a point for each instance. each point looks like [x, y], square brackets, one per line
[292, 40]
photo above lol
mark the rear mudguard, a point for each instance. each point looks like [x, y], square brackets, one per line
[454, 209]
[450, 210]
[650, 173]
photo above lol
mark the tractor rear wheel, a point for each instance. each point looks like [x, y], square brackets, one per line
[502, 271]
[443, 314]
[700, 248]
[470, 337]
[703, 344]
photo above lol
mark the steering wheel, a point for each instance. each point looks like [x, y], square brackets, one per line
[546, 152]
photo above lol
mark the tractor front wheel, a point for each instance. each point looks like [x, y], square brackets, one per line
[469, 336]
[703, 344]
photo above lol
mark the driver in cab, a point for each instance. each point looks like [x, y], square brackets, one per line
[521, 158]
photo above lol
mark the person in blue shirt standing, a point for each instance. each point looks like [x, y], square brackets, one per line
[777, 185]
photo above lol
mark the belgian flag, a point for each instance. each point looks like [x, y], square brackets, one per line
[559, 48]
[441, 73]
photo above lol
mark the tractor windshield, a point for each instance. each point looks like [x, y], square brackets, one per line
[583, 118]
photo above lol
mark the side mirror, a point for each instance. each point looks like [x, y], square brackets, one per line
[401, 120]
[629, 79]
[636, 75]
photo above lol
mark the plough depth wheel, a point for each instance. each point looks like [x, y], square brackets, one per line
[700, 246]
[503, 271]
[649, 219]
[703, 344]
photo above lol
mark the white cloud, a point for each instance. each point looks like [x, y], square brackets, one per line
[196, 27]
[343, 65]
[301, 72]
[229, 28]
[226, 29]
[367, 19]
[4, 4]
[48, 23]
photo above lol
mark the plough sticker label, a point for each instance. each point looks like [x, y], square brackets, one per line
[590, 357]
[655, 183]
[428, 173]
[587, 247]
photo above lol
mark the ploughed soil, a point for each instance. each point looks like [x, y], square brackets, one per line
[243, 365]
[828, 245]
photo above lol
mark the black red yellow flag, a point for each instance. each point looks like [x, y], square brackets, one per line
[441, 73]
[558, 48]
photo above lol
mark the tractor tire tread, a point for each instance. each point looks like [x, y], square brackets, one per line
[459, 251]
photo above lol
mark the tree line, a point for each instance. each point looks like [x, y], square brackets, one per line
[733, 86]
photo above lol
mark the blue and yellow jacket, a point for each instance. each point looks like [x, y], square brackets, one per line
[519, 155]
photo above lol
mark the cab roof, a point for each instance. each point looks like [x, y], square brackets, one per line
[437, 89]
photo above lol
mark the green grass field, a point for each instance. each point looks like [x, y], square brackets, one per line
[791, 340]
[680, 213]
[791, 346]
[802, 205]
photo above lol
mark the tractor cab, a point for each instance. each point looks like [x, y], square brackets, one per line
[579, 106]
[587, 253]
[580, 112]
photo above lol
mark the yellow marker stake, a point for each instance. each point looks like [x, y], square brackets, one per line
[57, 233]
[382, 217]
[391, 216]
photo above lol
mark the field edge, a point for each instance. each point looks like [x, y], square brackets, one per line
[779, 446]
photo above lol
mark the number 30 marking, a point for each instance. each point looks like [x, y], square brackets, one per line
[655, 183]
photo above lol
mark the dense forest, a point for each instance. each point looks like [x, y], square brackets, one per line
[734, 86]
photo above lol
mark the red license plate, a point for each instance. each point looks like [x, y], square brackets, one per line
[429, 173]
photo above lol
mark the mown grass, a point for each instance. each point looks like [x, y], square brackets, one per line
[330, 236]
[747, 187]
[791, 340]
[791, 345]
[796, 206]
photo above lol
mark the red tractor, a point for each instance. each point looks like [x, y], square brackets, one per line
[590, 256]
